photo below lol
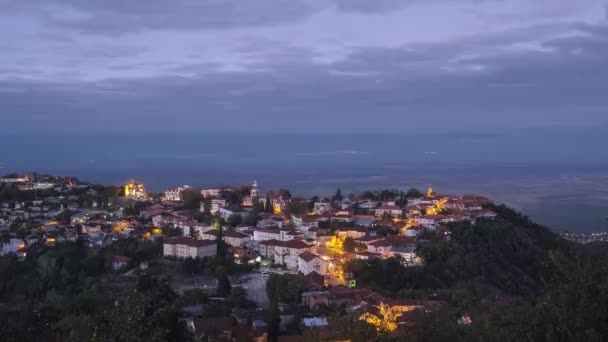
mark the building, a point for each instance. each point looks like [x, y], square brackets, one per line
[216, 204]
[254, 195]
[176, 193]
[135, 190]
[287, 253]
[119, 261]
[283, 252]
[352, 232]
[308, 263]
[381, 247]
[231, 237]
[185, 247]
[321, 207]
[392, 210]
[266, 234]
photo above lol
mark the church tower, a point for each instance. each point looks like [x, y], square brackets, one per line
[429, 192]
[255, 192]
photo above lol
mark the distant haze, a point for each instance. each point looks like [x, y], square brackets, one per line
[560, 180]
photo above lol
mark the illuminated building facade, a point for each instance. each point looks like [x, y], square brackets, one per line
[135, 190]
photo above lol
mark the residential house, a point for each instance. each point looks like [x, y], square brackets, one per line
[309, 262]
[231, 237]
[119, 261]
[392, 210]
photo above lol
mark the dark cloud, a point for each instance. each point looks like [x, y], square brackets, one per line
[118, 16]
[371, 6]
[521, 77]
[562, 84]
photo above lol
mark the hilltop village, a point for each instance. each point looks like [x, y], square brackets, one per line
[266, 253]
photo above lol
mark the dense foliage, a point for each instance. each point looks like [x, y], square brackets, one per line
[517, 280]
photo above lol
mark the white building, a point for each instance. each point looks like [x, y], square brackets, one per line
[287, 253]
[322, 207]
[216, 204]
[391, 210]
[308, 263]
[185, 247]
[382, 247]
[231, 237]
[175, 194]
[266, 234]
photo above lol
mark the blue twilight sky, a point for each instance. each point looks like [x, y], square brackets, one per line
[303, 66]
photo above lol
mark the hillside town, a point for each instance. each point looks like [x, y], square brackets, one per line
[266, 234]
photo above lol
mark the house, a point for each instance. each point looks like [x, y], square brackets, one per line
[175, 194]
[367, 239]
[414, 230]
[283, 252]
[216, 204]
[369, 205]
[407, 253]
[231, 237]
[270, 223]
[214, 191]
[308, 263]
[314, 299]
[183, 247]
[91, 229]
[119, 261]
[429, 221]
[218, 327]
[392, 210]
[367, 255]
[352, 232]
[12, 246]
[315, 322]
[382, 247]
[321, 207]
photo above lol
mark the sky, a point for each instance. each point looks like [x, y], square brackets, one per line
[303, 66]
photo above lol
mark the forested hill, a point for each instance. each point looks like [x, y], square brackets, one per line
[518, 281]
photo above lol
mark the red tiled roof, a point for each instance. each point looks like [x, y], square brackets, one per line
[189, 242]
[227, 233]
[381, 243]
[209, 326]
[295, 244]
[368, 238]
[120, 258]
[389, 207]
[308, 256]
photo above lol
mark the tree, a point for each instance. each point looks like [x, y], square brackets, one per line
[224, 288]
[147, 314]
[287, 287]
[238, 297]
[222, 247]
[192, 266]
[268, 205]
[402, 201]
[413, 193]
[193, 297]
[338, 196]
[349, 244]
[296, 208]
[285, 193]
[191, 199]
[273, 320]
[234, 220]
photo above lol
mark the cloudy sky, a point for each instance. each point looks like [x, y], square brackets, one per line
[303, 66]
